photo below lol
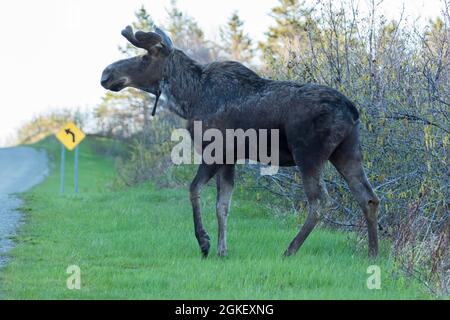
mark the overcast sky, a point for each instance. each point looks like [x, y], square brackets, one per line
[53, 51]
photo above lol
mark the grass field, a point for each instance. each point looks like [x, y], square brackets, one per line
[138, 243]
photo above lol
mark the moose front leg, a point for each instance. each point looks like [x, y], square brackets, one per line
[225, 185]
[204, 174]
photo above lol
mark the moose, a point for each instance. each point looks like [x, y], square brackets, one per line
[316, 124]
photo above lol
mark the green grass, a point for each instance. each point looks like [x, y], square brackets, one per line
[138, 243]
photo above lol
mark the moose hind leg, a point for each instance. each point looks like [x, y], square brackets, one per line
[347, 159]
[204, 174]
[225, 185]
[317, 197]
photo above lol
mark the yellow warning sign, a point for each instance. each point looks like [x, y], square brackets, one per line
[70, 135]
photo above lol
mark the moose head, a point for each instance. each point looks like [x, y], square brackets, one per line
[141, 72]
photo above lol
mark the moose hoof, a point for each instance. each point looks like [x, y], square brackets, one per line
[203, 241]
[222, 253]
[373, 254]
[289, 252]
[205, 248]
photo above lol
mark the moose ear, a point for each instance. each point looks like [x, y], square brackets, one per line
[165, 38]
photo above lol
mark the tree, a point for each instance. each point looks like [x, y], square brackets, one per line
[187, 35]
[121, 114]
[435, 65]
[236, 44]
[45, 124]
[290, 22]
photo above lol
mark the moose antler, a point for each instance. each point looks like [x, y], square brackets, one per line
[143, 40]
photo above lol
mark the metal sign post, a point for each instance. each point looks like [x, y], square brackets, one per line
[63, 160]
[70, 137]
[76, 169]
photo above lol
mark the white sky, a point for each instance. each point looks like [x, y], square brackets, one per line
[52, 52]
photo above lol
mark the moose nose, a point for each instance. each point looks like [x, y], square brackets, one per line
[106, 76]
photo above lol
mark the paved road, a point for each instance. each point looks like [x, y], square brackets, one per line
[20, 169]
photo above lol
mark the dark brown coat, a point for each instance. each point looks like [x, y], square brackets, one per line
[316, 124]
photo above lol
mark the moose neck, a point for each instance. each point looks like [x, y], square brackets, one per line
[181, 84]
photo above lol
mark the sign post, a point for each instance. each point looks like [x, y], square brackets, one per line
[63, 160]
[70, 137]
[77, 151]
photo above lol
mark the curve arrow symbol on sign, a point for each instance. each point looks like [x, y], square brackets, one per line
[68, 131]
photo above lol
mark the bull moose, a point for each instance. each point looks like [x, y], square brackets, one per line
[316, 124]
